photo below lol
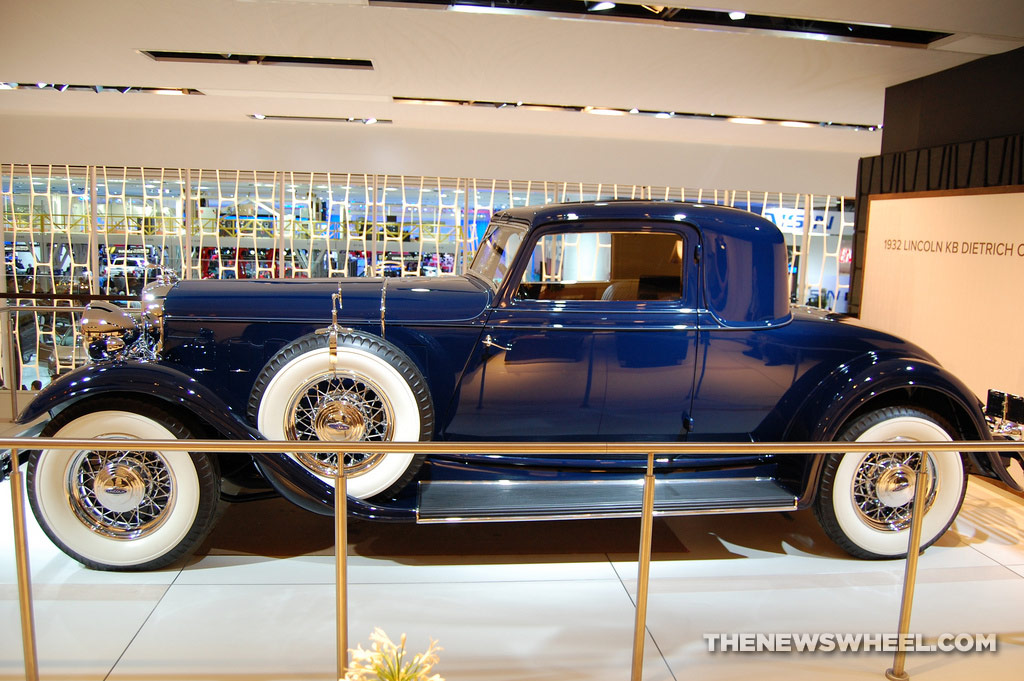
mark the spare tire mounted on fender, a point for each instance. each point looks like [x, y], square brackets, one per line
[374, 394]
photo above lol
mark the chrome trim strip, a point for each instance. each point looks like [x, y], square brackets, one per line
[638, 481]
[608, 515]
[383, 304]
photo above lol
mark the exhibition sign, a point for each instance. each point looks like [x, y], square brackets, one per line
[942, 269]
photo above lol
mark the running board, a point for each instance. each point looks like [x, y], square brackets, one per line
[495, 501]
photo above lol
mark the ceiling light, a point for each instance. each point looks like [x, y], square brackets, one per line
[611, 111]
[321, 119]
[737, 16]
[427, 102]
[256, 59]
[602, 6]
[168, 91]
[598, 111]
[479, 9]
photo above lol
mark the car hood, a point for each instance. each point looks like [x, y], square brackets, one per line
[404, 300]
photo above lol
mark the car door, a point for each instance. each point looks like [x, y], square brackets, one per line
[593, 338]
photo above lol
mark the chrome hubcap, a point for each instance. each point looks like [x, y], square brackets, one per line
[118, 487]
[339, 422]
[122, 494]
[895, 486]
[343, 406]
[884, 485]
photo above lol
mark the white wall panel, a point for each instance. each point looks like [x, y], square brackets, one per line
[392, 149]
[945, 272]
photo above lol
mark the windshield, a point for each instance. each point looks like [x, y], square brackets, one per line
[496, 252]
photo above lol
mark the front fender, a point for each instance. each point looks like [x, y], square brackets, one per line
[154, 380]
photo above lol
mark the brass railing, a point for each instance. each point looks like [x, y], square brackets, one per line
[649, 450]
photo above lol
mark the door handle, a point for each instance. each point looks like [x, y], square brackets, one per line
[491, 343]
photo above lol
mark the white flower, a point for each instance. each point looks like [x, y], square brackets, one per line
[385, 661]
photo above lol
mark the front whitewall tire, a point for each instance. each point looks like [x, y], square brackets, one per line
[122, 509]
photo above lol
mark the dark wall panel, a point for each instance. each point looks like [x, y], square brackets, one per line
[978, 100]
[995, 162]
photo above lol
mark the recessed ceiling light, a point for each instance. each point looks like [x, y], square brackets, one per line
[600, 111]
[600, 10]
[611, 111]
[321, 119]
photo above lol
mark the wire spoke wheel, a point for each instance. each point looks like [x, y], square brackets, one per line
[340, 407]
[865, 501]
[120, 494]
[366, 391]
[883, 488]
[122, 507]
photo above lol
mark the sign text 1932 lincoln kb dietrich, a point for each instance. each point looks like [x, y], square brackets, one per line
[591, 322]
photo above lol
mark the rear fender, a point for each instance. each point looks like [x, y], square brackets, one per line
[871, 380]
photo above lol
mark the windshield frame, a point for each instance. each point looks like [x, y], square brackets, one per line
[494, 259]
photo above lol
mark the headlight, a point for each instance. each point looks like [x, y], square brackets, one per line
[107, 330]
[153, 296]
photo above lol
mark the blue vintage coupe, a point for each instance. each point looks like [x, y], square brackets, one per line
[593, 322]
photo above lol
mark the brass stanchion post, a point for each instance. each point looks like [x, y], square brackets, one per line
[341, 563]
[897, 672]
[643, 571]
[28, 627]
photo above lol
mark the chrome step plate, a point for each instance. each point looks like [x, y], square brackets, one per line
[495, 501]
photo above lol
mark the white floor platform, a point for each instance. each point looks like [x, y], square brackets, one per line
[521, 601]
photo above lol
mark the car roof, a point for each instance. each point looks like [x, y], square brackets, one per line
[697, 213]
[746, 269]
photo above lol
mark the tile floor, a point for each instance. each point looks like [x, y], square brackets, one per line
[519, 601]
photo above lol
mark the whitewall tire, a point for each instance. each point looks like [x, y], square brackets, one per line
[122, 509]
[374, 393]
[864, 500]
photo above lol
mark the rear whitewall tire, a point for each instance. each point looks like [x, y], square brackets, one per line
[847, 513]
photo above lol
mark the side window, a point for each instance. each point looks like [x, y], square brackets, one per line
[609, 266]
